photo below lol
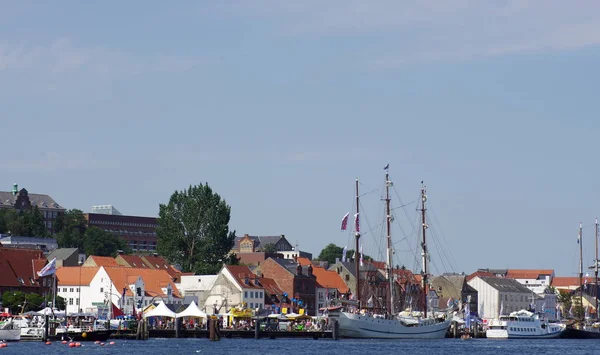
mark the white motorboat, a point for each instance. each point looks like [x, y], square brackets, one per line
[523, 325]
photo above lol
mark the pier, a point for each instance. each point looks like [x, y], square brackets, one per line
[226, 333]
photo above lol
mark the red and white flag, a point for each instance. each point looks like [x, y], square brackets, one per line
[345, 221]
[356, 223]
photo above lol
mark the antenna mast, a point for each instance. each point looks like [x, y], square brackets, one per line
[424, 248]
[390, 252]
[356, 250]
[580, 263]
[596, 270]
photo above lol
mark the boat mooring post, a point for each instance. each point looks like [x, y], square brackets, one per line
[257, 328]
[335, 328]
[46, 327]
[177, 327]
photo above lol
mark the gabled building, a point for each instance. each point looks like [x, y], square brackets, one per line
[329, 283]
[453, 288]
[95, 260]
[126, 288]
[131, 261]
[18, 271]
[157, 262]
[251, 244]
[196, 286]
[297, 281]
[65, 257]
[235, 285]
[535, 280]
[497, 294]
[22, 200]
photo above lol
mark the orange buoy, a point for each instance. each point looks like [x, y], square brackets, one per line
[48, 343]
[101, 344]
[71, 345]
[112, 343]
[97, 342]
[64, 341]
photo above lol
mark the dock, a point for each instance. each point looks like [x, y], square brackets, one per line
[226, 333]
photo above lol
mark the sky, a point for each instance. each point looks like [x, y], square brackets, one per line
[279, 106]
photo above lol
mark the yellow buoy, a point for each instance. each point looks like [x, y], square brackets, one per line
[84, 335]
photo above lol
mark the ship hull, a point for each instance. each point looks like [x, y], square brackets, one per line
[359, 326]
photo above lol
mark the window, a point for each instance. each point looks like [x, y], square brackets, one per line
[71, 289]
[101, 289]
[70, 301]
[251, 305]
[256, 294]
[77, 289]
[64, 289]
[261, 295]
[77, 301]
[245, 294]
[347, 277]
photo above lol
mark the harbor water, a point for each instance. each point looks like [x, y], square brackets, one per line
[309, 346]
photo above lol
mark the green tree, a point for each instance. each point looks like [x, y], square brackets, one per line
[12, 221]
[102, 243]
[330, 253]
[193, 230]
[71, 229]
[34, 223]
[269, 248]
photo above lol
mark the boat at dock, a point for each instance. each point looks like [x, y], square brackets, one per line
[523, 325]
[357, 319]
[81, 327]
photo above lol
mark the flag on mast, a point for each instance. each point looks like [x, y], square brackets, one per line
[356, 223]
[49, 269]
[344, 253]
[345, 221]
[361, 256]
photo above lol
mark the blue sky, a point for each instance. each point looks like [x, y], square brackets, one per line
[279, 106]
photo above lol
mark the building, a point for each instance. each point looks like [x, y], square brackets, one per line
[65, 257]
[535, 280]
[105, 209]
[18, 271]
[100, 287]
[453, 289]
[234, 285]
[196, 286]
[44, 244]
[131, 261]
[22, 200]
[329, 283]
[297, 281]
[138, 232]
[95, 260]
[154, 261]
[500, 296]
[252, 244]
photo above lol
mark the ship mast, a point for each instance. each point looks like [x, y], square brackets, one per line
[424, 249]
[356, 250]
[596, 270]
[580, 265]
[390, 252]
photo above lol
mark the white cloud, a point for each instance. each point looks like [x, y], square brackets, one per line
[62, 56]
[402, 32]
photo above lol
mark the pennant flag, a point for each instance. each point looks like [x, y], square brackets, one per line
[49, 269]
[501, 307]
[361, 256]
[356, 223]
[344, 254]
[449, 303]
[345, 221]
[386, 167]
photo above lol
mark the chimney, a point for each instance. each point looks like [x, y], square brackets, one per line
[120, 252]
[246, 235]
[154, 254]
[15, 189]
[299, 270]
[310, 270]
[337, 260]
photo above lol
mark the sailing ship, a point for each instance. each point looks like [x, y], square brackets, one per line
[354, 322]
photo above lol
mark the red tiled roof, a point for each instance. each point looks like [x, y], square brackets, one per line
[38, 264]
[303, 261]
[154, 280]
[480, 274]
[270, 286]
[158, 262]
[72, 275]
[240, 272]
[103, 260]
[19, 263]
[330, 279]
[527, 274]
[565, 281]
[133, 261]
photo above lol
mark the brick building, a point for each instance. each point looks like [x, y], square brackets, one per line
[138, 232]
[22, 200]
[297, 281]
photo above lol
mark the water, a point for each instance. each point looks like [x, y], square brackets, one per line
[321, 346]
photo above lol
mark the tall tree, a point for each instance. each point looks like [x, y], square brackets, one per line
[193, 230]
[29, 223]
[330, 253]
[71, 229]
[102, 243]
[34, 223]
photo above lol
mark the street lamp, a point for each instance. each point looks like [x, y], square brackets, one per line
[79, 301]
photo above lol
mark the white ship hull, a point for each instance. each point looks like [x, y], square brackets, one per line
[353, 325]
[504, 334]
[10, 334]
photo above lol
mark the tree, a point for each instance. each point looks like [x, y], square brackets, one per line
[18, 301]
[71, 229]
[330, 253]
[269, 248]
[102, 243]
[34, 223]
[29, 223]
[193, 230]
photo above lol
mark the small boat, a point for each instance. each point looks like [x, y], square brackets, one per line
[81, 327]
[523, 325]
[9, 331]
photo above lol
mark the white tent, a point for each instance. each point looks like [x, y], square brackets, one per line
[160, 311]
[192, 311]
[48, 311]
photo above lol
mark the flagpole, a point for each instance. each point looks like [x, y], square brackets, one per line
[580, 263]
[53, 293]
[357, 235]
[596, 270]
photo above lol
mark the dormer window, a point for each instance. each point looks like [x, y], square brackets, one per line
[21, 281]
